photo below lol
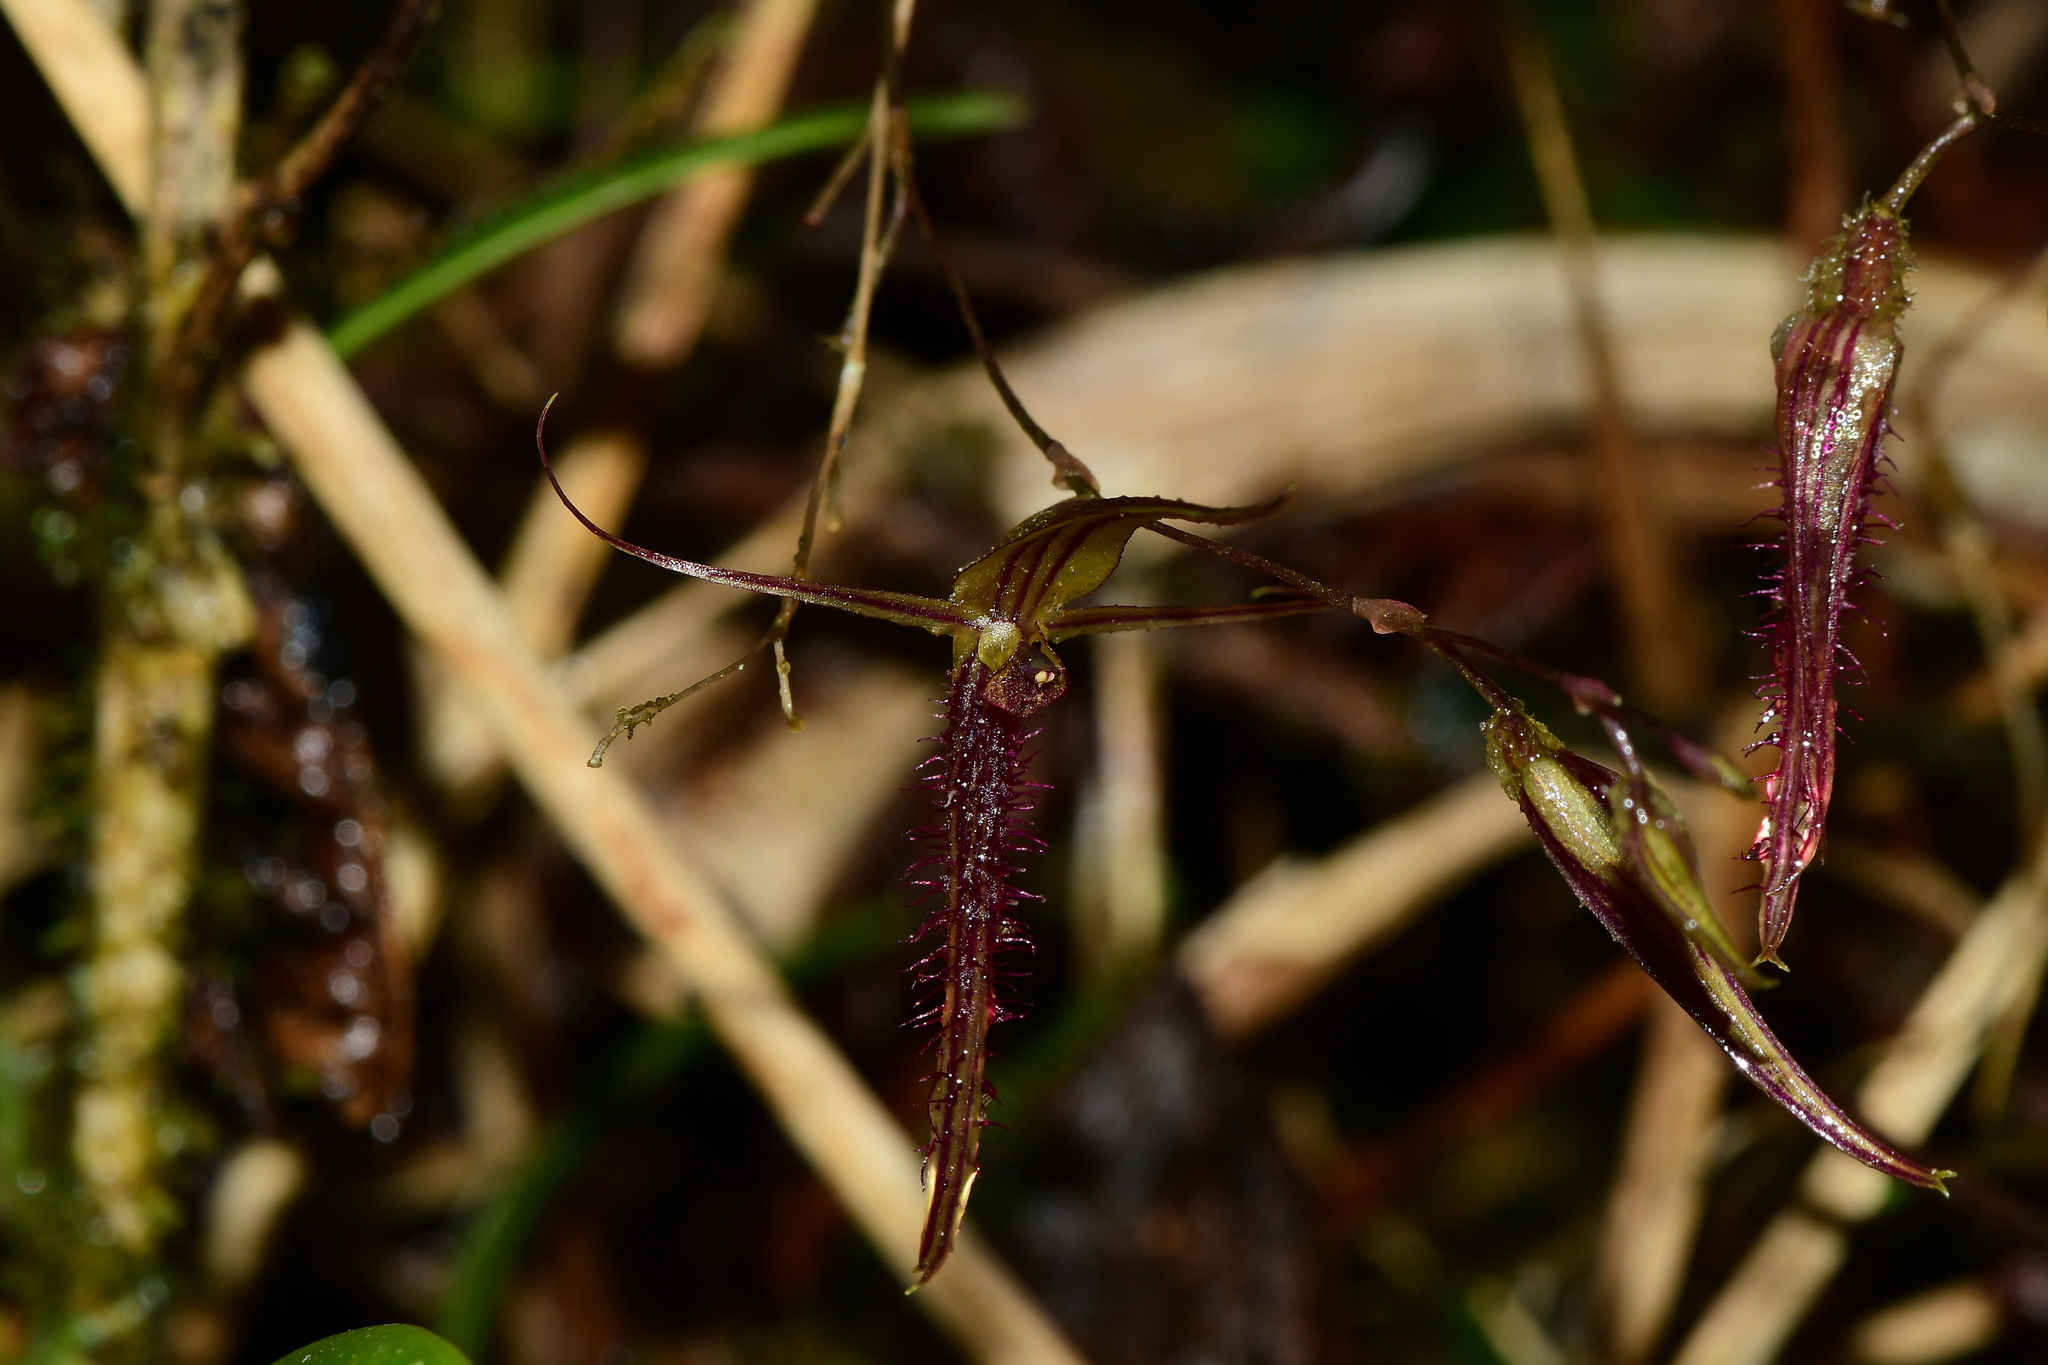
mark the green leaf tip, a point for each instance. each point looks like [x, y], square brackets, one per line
[396, 1343]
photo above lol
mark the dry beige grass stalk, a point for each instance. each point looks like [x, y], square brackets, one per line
[88, 67]
[1761, 1305]
[1946, 1322]
[382, 507]
[681, 253]
[1294, 928]
[386, 512]
[1119, 891]
[1350, 374]
[547, 576]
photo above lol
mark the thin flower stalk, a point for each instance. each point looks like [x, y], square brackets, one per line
[1837, 359]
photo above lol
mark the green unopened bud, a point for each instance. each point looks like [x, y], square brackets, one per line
[1523, 754]
[1572, 811]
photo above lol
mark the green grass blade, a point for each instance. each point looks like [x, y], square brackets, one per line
[616, 187]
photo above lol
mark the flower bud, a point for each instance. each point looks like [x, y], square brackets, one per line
[1621, 847]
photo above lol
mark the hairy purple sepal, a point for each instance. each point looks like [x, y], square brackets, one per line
[979, 789]
[1005, 670]
[1623, 851]
[1836, 362]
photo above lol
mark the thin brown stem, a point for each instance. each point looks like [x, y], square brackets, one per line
[1975, 96]
[836, 183]
[1384, 615]
[261, 206]
[877, 244]
[1655, 613]
[1816, 149]
[853, 338]
[1068, 471]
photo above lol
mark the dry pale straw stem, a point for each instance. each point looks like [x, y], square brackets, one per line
[381, 505]
[681, 254]
[1920, 1073]
[1663, 653]
[1295, 928]
[548, 574]
[88, 68]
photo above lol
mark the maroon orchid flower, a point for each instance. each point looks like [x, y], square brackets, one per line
[1007, 612]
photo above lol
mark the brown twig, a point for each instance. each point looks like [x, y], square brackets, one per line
[1068, 471]
[1603, 1011]
[1973, 94]
[1656, 616]
[261, 206]
[1818, 176]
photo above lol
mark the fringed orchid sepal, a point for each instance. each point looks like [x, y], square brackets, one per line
[1836, 361]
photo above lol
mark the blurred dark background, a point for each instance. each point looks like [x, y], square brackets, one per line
[1164, 1194]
